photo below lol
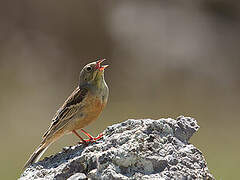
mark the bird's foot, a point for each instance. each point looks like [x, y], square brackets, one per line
[90, 136]
[96, 138]
[91, 139]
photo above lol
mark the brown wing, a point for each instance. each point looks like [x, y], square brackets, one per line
[70, 107]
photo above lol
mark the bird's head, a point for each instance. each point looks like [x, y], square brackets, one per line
[92, 73]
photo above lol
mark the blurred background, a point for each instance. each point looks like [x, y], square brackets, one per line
[167, 58]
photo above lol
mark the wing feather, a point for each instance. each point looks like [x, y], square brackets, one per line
[70, 107]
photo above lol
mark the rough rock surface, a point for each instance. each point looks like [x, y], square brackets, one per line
[134, 149]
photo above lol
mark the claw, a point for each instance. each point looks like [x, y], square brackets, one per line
[91, 140]
[98, 137]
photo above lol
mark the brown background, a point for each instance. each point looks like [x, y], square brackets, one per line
[167, 58]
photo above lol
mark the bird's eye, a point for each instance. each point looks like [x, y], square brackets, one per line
[89, 68]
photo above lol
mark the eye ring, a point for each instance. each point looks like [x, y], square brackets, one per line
[89, 68]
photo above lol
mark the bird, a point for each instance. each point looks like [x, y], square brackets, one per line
[82, 107]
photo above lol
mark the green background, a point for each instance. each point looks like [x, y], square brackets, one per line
[167, 58]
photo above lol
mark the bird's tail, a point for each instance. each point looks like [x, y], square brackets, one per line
[36, 154]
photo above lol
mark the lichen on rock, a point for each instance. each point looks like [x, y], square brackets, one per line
[134, 149]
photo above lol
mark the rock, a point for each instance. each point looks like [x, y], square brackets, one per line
[134, 149]
[78, 176]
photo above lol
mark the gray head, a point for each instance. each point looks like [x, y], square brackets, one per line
[92, 73]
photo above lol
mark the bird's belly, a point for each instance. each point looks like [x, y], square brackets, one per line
[89, 113]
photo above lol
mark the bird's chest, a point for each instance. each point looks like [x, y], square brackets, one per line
[91, 110]
[94, 106]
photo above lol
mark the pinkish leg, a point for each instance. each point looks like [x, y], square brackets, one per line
[82, 140]
[92, 138]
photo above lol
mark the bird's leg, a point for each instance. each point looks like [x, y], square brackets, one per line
[82, 140]
[90, 137]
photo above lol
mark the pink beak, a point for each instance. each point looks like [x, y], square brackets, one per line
[99, 66]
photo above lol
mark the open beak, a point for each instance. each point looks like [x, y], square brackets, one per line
[99, 66]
